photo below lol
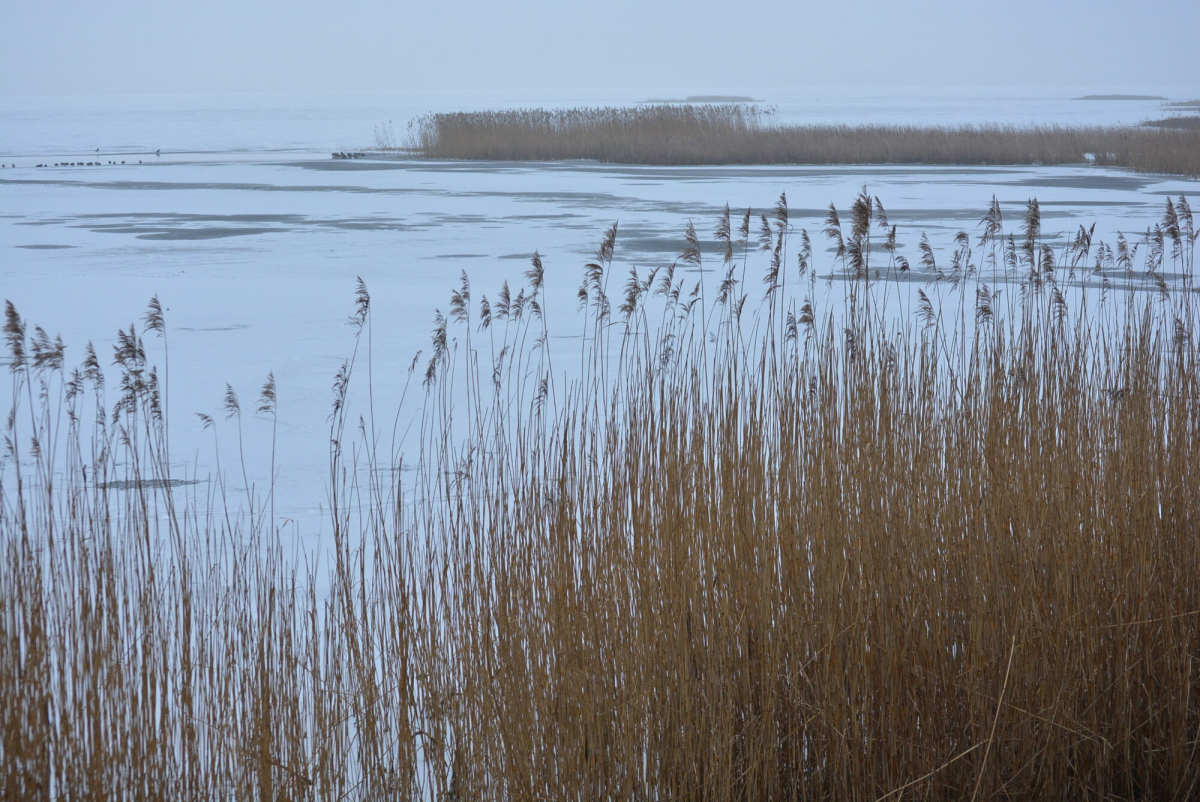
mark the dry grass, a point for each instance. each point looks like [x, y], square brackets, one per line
[796, 553]
[743, 134]
[1181, 123]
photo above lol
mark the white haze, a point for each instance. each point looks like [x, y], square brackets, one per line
[138, 46]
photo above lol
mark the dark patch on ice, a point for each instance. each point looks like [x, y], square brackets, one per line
[1101, 182]
[1093, 203]
[171, 220]
[187, 234]
[418, 166]
[234, 186]
[45, 247]
[124, 229]
[909, 218]
[910, 276]
[172, 233]
[521, 256]
[740, 171]
[460, 256]
[589, 199]
[146, 484]
[213, 185]
[634, 172]
[797, 171]
[441, 218]
[658, 245]
[561, 216]
[234, 327]
[289, 219]
[463, 166]
[40, 223]
[1166, 193]
[347, 166]
[698, 211]
[367, 225]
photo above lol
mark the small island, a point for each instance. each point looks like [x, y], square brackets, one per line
[705, 99]
[1120, 97]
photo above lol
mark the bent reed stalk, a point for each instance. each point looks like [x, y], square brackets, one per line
[744, 134]
[800, 553]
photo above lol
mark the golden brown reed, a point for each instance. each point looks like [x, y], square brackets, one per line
[744, 134]
[797, 555]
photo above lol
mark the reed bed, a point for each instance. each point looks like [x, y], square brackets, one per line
[826, 546]
[1180, 122]
[744, 134]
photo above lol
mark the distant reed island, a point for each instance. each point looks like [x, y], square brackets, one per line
[1121, 97]
[706, 99]
[741, 133]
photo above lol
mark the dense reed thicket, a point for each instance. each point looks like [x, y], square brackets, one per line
[836, 548]
[742, 134]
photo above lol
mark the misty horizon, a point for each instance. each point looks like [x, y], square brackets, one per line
[134, 47]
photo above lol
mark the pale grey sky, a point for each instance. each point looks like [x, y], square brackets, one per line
[134, 46]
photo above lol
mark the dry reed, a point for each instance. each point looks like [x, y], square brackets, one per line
[805, 553]
[744, 134]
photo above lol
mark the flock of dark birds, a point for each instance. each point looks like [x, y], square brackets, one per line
[83, 164]
[337, 155]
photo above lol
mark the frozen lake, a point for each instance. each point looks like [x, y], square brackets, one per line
[253, 238]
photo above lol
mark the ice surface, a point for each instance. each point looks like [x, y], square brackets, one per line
[254, 245]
